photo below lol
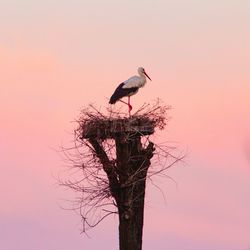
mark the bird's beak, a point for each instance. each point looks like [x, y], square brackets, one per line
[147, 76]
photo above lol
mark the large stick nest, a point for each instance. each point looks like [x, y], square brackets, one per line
[95, 124]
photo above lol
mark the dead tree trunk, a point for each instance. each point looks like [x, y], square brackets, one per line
[132, 162]
[127, 176]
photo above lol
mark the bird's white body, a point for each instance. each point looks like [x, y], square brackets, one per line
[135, 81]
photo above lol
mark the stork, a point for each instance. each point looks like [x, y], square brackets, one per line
[129, 87]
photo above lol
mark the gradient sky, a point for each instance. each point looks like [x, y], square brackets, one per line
[59, 56]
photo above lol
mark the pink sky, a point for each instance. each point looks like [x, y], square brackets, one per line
[56, 57]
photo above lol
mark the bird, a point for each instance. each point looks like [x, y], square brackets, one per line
[130, 87]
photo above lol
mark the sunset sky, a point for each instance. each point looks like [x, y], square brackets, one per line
[58, 56]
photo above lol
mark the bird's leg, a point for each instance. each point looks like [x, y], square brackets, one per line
[123, 102]
[129, 106]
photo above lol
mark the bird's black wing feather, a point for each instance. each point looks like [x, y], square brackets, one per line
[121, 92]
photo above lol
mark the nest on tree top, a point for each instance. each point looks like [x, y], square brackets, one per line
[111, 128]
[94, 124]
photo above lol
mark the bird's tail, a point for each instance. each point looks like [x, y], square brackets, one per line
[113, 99]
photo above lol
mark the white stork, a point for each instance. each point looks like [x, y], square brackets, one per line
[129, 88]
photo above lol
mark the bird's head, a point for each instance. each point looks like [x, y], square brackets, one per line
[142, 71]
